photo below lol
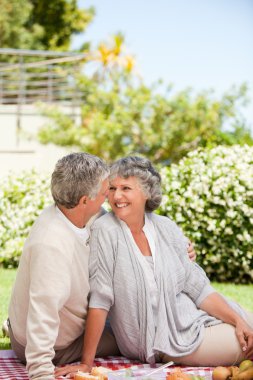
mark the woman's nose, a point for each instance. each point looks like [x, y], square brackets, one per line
[117, 194]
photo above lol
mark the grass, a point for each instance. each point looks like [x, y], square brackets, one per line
[239, 293]
[7, 279]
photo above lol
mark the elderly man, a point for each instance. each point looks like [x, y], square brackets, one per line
[49, 300]
[50, 296]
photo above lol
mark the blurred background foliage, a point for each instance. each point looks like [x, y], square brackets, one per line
[132, 118]
[23, 197]
[41, 24]
[210, 195]
[123, 115]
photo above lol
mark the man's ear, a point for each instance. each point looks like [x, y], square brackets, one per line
[83, 200]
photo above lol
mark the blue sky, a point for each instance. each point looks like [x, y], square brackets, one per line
[198, 43]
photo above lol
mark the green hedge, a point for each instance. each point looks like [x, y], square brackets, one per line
[210, 195]
[22, 197]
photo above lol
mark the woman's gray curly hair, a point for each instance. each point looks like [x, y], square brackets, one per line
[147, 176]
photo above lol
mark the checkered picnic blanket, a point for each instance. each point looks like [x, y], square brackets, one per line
[12, 369]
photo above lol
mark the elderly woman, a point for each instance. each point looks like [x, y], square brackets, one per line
[161, 305]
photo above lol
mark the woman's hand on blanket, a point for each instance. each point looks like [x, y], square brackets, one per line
[244, 334]
[71, 370]
[191, 252]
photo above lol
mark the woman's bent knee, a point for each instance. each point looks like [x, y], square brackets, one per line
[219, 346]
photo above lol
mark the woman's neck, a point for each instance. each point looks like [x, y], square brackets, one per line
[136, 226]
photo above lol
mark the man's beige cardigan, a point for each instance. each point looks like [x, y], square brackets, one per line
[49, 301]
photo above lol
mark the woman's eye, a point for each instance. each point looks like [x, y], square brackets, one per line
[111, 188]
[126, 188]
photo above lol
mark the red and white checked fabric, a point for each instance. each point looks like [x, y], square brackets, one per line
[12, 369]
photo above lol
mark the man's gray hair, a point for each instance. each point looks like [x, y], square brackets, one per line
[147, 176]
[76, 175]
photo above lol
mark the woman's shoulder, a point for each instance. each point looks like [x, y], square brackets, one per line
[166, 225]
[106, 222]
[161, 220]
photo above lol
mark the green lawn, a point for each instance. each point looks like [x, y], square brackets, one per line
[7, 277]
[239, 293]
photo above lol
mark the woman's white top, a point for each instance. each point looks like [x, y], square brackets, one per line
[148, 264]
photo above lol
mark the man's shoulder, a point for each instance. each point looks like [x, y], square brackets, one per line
[49, 226]
[48, 217]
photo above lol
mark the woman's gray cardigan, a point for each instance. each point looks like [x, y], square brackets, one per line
[118, 285]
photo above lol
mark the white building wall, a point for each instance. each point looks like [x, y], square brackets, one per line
[21, 151]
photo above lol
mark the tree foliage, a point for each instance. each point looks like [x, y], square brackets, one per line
[60, 19]
[41, 24]
[120, 117]
[13, 16]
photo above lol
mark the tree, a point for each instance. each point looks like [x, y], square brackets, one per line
[41, 24]
[120, 113]
[13, 16]
[120, 117]
[59, 19]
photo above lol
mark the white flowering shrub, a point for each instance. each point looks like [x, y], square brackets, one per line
[210, 195]
[22, 198]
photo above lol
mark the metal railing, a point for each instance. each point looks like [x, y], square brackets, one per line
[28, 77]
[35, 76]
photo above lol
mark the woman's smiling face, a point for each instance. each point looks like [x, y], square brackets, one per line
[127, 199]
